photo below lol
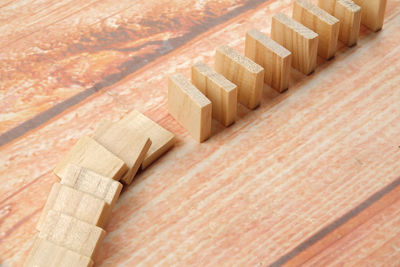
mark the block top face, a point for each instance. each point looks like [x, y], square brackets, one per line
[319, 12]
[217, 78]
[296, 26]
[268, 42]
[250, 65]
[353, 7]
[190, 90]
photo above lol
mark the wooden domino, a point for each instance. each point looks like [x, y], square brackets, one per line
[91, 155]
[325, 25]
[221, 92]
[274, 58]
[242, 71]
[189, 107]
[373, 13]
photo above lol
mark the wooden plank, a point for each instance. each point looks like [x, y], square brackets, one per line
[189, 107]
[89, 154]
[274, 58]
[221, 92]
[325, 25]
[45, 253]
[373, 13]
[130, 146]
[242, 71]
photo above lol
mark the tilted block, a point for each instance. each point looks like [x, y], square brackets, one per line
[373, 13]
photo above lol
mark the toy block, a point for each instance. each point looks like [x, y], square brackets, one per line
[373, 13]
[349, 15]
[161, 139]
[90, 154]
[325, 25]
[221, 92]
[274, 58]
[298, 39]
[45, 253]
[242, 71]
[189, 107]
[80, 205]
[71, 233]
[130, 146]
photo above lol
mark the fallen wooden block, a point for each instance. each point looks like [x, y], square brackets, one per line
[274, 58]
[71, 233]
[89, 154]
[45, 253]
[130, 146]
[349, 15]
[220, 91]
[373, 13]
[325, 25]
[75, 203]
[189, 107]
[242, 71]
[298, 39]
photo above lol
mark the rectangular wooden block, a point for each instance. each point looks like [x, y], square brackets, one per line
[221, 92]
[189, 107]
[373, 13]
[90, 154]
[242, 71]
[274, 58]
[298, 39]
[349, 15]
[130, 146]
[321, 22]
[75, 203]
[45, 253]
[71, 233]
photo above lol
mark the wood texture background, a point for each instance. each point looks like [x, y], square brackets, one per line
[310, 177]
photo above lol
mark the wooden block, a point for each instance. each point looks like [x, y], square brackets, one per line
[189, 107]
[242, 71]
[71, 233]
[373, 13]
[45, 253]
[274, 58]
[220, 91]
[349, 15]
[325, 25]
[130, 146]
[78, 204]
[161, 139]
[89, 154]
[298, 39]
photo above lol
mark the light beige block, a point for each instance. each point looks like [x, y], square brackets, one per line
[221, 92]
[325, 25]
[189, 107]
[273, 57]
[45, 253]
[298, 39]
[71, 233]
[90, 154]
[242, 71]
[130, 146]
[373, 13]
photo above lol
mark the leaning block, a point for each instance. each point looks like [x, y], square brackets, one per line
[373, 13]
[221, 92]
[90, 154]
[242, 71]
[298, 39]
[45, 253]
[274, 58]
[321, 22]
[189, 107]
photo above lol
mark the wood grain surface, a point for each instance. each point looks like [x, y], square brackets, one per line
[310, 177]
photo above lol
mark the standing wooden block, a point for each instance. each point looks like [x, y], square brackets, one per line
[242, 71]
[321, 22]
[71, 233]
[189, 107]
[45, 253]
[298, 39]
[274, 58]
[349, 15]
[373, 13]
[89, 154]
[127, 145]
[221, 92]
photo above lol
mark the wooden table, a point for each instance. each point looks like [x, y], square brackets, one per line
[310, 177]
